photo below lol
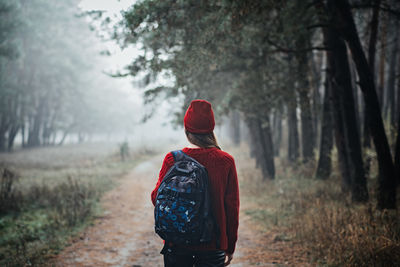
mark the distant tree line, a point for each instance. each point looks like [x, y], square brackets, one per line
[48, 74]
[327, 71]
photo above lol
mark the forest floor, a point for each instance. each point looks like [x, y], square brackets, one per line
[123, 235]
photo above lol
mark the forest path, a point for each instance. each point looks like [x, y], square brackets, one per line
[124, 235]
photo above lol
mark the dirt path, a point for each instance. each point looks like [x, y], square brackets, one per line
[124, 235]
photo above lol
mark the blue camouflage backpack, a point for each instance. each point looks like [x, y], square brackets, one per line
[183, 208]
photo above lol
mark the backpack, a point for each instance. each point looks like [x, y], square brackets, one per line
[182, 212]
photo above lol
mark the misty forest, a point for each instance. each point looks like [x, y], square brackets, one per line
[306, 97]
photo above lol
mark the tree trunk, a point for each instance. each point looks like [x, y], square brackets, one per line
[3, 139]
[307, 132]
[11, 136]
[325, 162]
[263, 136]
[65, 134]
[343, 19]
[353, 74]
[293, 142]
[343, 93]
[23, 106]
[34, 131]
[391, 83]
[397, 153]
[277, 131]
[235, 127]
[382, 61]
[4, 121]
[269, 147]
[397, 104]
[307, 129]
[339, 131]
[317, 101]
[15, 121]
[258, 144]
[371, 61]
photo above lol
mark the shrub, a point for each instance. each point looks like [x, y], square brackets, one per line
[72, 201]
[45, 215]
[9, 196]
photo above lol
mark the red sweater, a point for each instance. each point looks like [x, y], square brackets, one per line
[224, 192]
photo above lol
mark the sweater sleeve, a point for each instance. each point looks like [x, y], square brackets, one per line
[166, 165]
[232, 209]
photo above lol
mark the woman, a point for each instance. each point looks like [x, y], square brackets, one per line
[223, 184]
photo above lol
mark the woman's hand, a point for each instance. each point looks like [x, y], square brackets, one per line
[228, 258]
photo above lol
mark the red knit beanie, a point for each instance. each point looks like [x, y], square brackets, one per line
[199, 117]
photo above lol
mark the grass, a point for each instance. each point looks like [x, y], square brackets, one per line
[49, 194]
[330, 228]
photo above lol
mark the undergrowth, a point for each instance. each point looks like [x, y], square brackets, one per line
[42, 206]
[331, 229]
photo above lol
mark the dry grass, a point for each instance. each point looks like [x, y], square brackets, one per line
[49, 194]
[350, 236]
[331, 229]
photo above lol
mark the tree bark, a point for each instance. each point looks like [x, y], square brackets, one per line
[11, 136]
[353, 74]
[391, 83]
[293, 142]
[397, 104]
[397, 154]
[263, 133]
[344, 22]
[277, 131]
[382, 61]
[343, 94]
[339, 132]
[16, 120]
[371, 61]
[4, 121]
[235, 127]
[34, 133]
[264, 157]
[324, 167]
[307, 128]
[269, 147]
[317, 98]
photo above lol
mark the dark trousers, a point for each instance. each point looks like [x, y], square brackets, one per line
[176, 257]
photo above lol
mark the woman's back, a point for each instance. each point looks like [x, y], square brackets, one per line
[223, 187]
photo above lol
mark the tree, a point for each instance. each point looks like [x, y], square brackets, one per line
[325, 161]
[255, 57]
[344, 22]
[49, 69]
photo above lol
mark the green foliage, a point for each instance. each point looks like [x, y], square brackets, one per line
[9, 24]
[41, 218]
[233, 53]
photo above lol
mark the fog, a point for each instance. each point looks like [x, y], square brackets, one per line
[57, 84]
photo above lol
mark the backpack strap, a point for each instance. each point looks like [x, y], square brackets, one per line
[178, 155]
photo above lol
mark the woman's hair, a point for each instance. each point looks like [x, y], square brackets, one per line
[202, 140]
